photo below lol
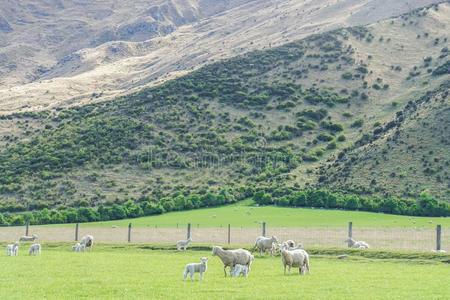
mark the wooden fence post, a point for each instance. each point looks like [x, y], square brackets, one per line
[229, 234]
[129, 232]
[350, 232]
[26, 227]
[438, 237]
[76, 232]
[189, 230]
[264, 229]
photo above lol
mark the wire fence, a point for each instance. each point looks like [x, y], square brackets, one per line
[413, 239]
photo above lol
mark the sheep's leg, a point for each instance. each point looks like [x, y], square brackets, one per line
[201, 276]
[225, 270]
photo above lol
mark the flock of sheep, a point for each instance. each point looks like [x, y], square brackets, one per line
[87, 242]
[239, 260]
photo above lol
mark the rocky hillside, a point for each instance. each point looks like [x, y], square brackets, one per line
[57, 53]
[266, 117]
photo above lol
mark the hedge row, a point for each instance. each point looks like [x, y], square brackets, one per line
[425, 205]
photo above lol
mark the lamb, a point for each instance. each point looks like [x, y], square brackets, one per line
[9, 249]
[35, 249]
[240, 270]
[183, 244]
[193, 268]
[12, 249]
[263, 244]
[87, 241]
[357, 244]
[298, 258]
[78, 247]
[28, 238]
[230, 258]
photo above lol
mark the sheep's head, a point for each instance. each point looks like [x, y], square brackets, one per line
[35, 236]
[204, 260]
[274, 239]
[214, 250]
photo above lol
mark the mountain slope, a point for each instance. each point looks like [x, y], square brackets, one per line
[58, 53]
[407, 156]
[269, 116]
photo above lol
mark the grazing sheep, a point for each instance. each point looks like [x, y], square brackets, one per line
[28, 238]
[263, 244]
[193, 268]
[297, 258]
[230, 258]
[240, 270]
[87, 241]
[183, 244]
[35, 249]
[357, 244]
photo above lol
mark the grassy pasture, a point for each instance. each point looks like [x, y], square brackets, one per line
[247, 215]
[121, 272]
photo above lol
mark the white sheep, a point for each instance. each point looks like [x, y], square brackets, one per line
[87, 241]
[9, 249]
[35, 249]
[26, 238]
[357, 244]
[12, 249]
[240, 270]
[263, 244]
[230, 258]
[193, 268]
[297, 258]
[78, 247]
[183, 244]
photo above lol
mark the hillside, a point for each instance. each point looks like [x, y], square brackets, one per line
[269, 117]
[60, 53]
[404, 157]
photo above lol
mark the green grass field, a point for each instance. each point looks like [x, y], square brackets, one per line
[247, 215]
[113, 272]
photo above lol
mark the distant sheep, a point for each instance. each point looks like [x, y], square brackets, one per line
[263, 244]
[183, 244]
[193, 268]
[357, 244]
[87, 241]
[295, 258]
[12, 249]
[35, 249]
[78, 247]
[230, 258]
[240, 270]
[26, 238]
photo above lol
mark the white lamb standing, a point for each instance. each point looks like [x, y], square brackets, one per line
[9, 249]
[14, 249]
[193, 268]
[297, 258]
[183, 244]
[357, 244]
[35, 249]
[240, 270]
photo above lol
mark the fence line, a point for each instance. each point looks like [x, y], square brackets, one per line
[378, 238]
